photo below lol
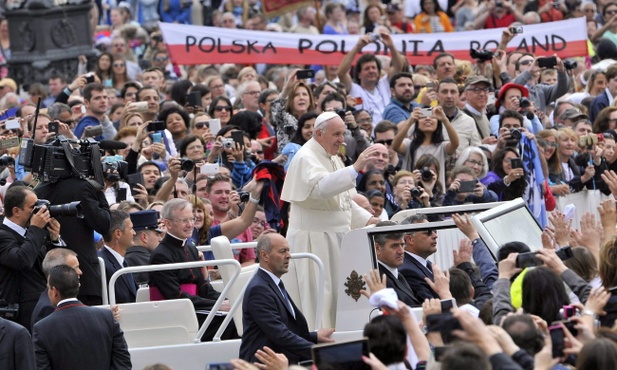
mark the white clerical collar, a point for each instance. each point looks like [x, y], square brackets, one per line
[392, 270]
[13, 226]
[117, 255]
[473, 110]
[175, 237]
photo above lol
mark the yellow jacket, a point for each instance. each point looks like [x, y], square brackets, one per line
[422, 22]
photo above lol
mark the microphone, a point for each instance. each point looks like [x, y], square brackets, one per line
[112, 145]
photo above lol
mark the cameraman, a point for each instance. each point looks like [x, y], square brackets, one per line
[230, 154]
[355, 141]
[115, 190]
[516, 97]
[78, 233]
[26, 235]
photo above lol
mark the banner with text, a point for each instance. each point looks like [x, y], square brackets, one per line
[190, 45]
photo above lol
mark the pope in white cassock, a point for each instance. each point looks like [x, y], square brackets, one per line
[320, 189]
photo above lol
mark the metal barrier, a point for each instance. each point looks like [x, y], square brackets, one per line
[178, 266]
[103, 281]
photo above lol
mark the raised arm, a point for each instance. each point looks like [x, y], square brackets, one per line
[343, 68]
[398, 60]
[453, 143]
[235, 227]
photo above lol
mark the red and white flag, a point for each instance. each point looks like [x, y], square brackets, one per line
[190, 45]
[272, 8]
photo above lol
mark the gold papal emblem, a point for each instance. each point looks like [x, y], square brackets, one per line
[354, 284]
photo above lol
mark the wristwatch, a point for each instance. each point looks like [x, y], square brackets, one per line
[588, 312]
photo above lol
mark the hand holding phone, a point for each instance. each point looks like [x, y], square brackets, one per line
[547, 62]
[529, 259]
[156, 126]
[303, 74]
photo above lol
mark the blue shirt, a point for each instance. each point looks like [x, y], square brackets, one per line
[397, 112]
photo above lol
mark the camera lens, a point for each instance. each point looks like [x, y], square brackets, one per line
[415, 192]
[187, 164]
[426, 174]
[72, 209]
[244, 196]
[516, 134]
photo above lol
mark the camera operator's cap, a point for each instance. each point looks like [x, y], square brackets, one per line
[145, 220]
[392, 8]
[8, 82]
[574, 115]
[474, 80]
[508, 86]
[325, 117]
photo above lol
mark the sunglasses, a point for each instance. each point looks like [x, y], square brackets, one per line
[384, 142]
[200, 125]
[525, 62]
[160, 59]
[220, 108]
[259, 151]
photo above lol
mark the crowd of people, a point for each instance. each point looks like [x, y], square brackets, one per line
[257, 153]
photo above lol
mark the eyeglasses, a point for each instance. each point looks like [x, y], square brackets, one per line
[186, 220]
[269, 101]
[478, 90]
[257, 221]
[200, 125]
[611, 12]
[364, 120]
[259, 151]
[552, 145]
[216, 87]
[118, 64]
[474, 163]
[160, 59]
[525, 62]
[130, 94]
[509, 160]
[220, 108]
[384, 142]
[254, 93]
[418, 87]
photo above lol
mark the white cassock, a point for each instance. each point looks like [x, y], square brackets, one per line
[320, 189]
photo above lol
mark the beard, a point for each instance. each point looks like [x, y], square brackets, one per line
[405, 99]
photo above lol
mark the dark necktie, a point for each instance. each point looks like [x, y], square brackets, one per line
[429, 267]
[407, 288]
[286, 298]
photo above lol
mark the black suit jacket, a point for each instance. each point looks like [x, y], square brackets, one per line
[268, 321]
[21, 275]
[414, 273]
[80, 337]
[138, 256]
[172, 250]
[78, 232]
[43, 308]
[125, 285]
[599, 102]
[16, 350]
[403, 291]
